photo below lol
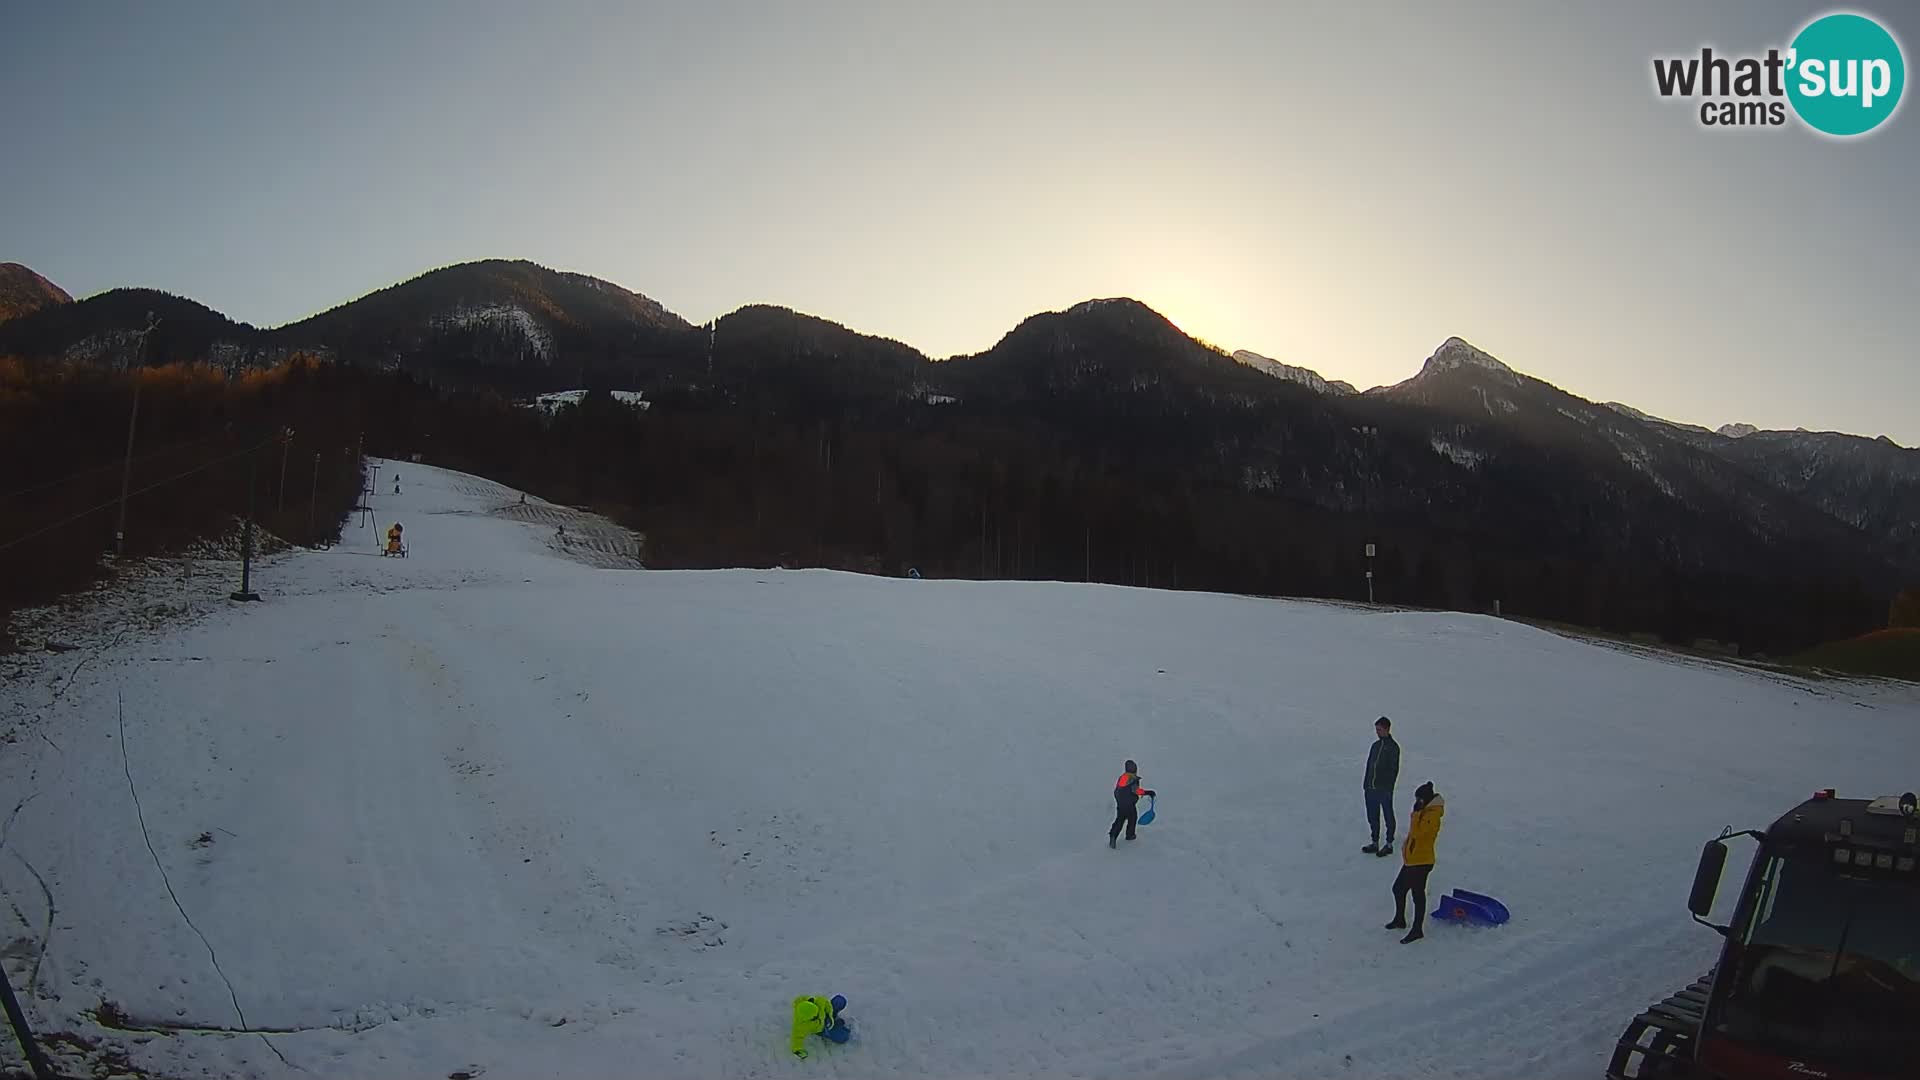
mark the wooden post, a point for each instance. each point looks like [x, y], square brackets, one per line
[41, 1071]
[246, 544]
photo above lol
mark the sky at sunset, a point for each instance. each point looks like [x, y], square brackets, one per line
[1335, 186]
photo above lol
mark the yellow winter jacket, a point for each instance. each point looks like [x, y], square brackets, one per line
[811, 1016]
[1421, 832]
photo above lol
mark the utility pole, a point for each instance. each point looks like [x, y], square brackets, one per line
[286, 444]
[41, 1071]
[359, 461]
[126, 469]
[246, 545]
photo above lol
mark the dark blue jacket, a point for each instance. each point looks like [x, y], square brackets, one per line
[1383, 765]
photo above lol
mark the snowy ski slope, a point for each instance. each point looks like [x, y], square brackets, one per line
[493, 809]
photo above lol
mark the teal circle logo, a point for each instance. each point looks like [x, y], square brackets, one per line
[1845, 74]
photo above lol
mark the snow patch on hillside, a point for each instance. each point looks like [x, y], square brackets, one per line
[926, 394]
[1648, 418]
[1304, 376]
[1640, 460]
[1455, 353]
[1461, 455]
[1495, 404]
[552, 402]
[498, 316]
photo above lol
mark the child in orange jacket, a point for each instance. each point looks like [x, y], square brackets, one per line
[1126, 803]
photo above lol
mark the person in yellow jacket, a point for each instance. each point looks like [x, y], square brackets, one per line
[818, 1016]
[1417, 857]
[393, 539]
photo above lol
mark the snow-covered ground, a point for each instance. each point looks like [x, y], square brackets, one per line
[492, 810]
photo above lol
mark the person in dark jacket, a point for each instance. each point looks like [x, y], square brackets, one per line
[1126, 799]
[1383, 769]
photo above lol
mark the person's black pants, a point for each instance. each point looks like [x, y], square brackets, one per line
[1127, 815]
[1412, 879]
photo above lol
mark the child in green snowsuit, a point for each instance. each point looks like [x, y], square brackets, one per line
[818, 1016]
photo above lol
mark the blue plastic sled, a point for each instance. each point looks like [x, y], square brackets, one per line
[1471, 909]
[1147, 818]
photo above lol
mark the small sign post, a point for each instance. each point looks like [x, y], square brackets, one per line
[1369, 573]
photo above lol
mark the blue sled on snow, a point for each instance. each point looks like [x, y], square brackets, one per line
[1147, 818]
[1471, 909]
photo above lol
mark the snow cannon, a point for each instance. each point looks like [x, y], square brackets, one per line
[1471, 909]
